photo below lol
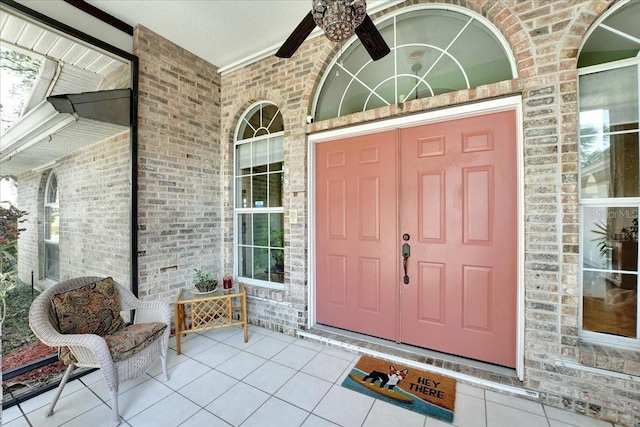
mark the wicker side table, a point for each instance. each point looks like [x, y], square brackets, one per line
[198, 312]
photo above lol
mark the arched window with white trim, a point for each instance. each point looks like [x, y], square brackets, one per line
[609, 94]
[434, 50]
[51, 229]
[258, 206]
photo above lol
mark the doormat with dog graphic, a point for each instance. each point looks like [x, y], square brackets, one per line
[420, 391]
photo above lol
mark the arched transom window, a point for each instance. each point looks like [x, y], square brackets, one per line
[259, 212]
[433, 50]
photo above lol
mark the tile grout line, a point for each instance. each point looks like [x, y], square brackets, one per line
[350, 358]
[271, 395]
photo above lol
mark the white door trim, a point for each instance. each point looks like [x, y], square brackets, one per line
[512, 103]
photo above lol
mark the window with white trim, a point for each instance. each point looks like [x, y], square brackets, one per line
[609, 82]
[51, 229]
[258, 207]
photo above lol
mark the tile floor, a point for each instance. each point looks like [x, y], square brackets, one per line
[273, 380]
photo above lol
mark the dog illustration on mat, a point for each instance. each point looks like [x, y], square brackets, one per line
[392, 378]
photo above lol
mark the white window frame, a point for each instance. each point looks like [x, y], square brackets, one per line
[237, 211]
[631, 202]
[47, 242]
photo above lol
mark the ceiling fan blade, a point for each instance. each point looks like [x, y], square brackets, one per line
[372, 39]
[298, 37]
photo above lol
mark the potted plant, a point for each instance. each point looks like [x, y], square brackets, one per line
[605, 234]
[630, 233]
[278, 260]
[277, 255]
[204, 281]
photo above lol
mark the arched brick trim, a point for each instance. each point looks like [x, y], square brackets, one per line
[328, 52]
[241, 105]
[581, 24]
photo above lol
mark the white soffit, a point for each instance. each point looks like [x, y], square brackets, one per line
[75, 134]
[42, 134]
[34, 37]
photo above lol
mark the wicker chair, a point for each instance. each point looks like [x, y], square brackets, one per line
[91, 350]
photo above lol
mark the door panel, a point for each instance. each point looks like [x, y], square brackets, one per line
[477, 205]
[337, 208]
[458, 181]
[337, 276]
[431, 288]
[432, 209]
[356, 234]
[477, 283]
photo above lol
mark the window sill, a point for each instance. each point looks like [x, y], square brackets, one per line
[264, 293]
[620, 360]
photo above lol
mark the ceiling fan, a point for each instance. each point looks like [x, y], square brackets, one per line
[339, 19]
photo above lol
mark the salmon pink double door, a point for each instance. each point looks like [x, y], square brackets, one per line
[416, 236]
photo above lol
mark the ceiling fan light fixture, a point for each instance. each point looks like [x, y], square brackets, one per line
[339, 18]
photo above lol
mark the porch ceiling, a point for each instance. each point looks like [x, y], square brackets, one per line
[222, 32]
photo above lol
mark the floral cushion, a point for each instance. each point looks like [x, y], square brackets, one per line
[90, 309]
[123, 343]
[132, 339]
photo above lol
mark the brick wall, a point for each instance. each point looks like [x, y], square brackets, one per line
[179, 166]
[117, 79]
[95, 193]
[30, 199]
[544, 37]
[94, 200]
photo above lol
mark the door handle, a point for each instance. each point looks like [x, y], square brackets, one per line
[406, 253]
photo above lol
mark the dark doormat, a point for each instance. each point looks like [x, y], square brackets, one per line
[420, 391]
